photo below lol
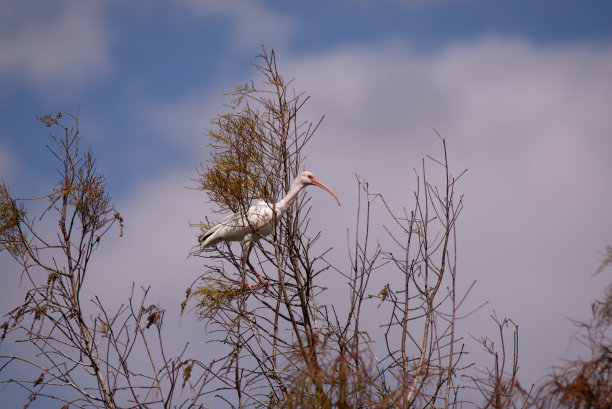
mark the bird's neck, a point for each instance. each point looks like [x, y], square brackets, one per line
[285, 202]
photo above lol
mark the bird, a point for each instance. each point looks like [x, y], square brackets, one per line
[256, 223]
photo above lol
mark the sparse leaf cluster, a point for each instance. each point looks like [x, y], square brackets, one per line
[79, 353]
[11, 214]
[237, 171]
[586, 382]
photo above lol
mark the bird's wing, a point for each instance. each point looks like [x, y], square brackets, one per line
[259, 215]
[231, 228]
[235, 227]
[232, 220]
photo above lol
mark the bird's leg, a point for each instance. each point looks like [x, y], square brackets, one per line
[262, 280]
[245, 260]
[245, 256]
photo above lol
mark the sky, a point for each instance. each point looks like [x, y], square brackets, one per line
[521, 91]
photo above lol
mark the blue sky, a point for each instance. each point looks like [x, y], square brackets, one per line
[521, 89]
[112, 59]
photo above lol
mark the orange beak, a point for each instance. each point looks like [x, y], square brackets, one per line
[318, 183]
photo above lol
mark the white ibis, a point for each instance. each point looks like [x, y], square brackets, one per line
[257, 223]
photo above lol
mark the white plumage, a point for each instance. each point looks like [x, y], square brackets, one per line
[257, 223]
[236, 227]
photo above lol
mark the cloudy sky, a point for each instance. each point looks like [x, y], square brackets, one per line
[521, 90]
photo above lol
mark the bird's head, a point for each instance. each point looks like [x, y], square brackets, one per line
[308, 178]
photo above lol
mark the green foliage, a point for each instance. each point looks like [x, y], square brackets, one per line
[11, 236]
[48, 120]
[84, 189]
[235, 172]
[214, 296]
[603, 308]
[255, 148]
[81, 188]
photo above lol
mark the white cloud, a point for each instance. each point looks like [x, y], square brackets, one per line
[156, 240]
[183, 122]
[53, 46]
[531, 125]
[253, 24]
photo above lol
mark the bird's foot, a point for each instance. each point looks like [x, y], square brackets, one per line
[249, 287]
[262, 282]
[265, 283]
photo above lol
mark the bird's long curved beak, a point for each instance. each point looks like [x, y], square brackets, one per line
[320, 184]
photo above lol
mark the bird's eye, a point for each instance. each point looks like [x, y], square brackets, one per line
[310, 177]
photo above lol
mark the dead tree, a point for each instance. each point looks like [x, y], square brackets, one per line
[284, 348]
[81, 353]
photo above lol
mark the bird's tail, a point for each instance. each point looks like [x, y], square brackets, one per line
[205, 235]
